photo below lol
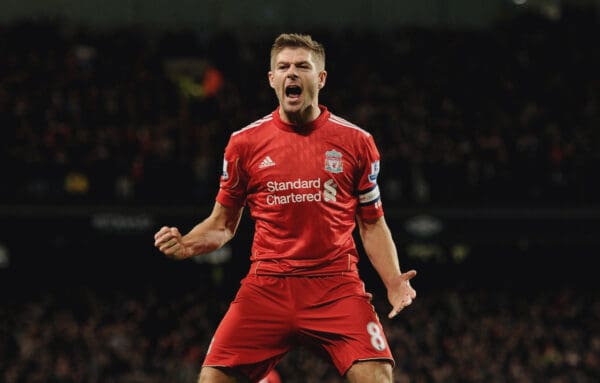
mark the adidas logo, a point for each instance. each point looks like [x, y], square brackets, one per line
[266, 163]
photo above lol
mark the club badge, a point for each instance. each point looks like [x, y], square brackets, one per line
[333, 161]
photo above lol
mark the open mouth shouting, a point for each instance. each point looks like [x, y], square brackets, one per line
[293, 92]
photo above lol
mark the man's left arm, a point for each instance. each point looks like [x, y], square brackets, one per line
[380, 248]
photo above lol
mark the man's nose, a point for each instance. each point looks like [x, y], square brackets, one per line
[291, 72]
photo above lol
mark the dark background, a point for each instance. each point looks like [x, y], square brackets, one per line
[486, 117]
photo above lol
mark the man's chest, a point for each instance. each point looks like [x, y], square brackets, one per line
[301, 163]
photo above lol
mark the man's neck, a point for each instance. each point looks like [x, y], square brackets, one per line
[302, 117]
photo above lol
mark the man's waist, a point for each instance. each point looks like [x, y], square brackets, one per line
[266, 265]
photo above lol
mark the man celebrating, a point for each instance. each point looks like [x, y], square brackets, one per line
[308, 177]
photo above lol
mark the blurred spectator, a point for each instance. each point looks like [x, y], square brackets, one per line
[500, 116]
[505, 116]
[149, 334]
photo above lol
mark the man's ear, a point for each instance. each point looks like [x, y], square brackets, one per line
[270, 75]
[322, 79]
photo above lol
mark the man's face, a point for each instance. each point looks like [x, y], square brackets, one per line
[297, 78]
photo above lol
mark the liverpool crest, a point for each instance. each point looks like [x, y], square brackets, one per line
[333, 161]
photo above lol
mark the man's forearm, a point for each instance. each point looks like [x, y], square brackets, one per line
[381, 249]
[202, 239]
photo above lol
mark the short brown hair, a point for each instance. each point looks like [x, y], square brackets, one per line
[296, 40]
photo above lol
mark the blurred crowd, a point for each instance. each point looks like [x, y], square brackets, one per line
[502, 116]
[505, 115]
[161, 335]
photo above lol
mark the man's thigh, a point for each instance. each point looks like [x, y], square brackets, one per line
[370, 371]
[254, 333]
[218, 375]
[338, 319]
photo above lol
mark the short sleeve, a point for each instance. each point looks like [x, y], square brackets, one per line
[369, 198]
[232, 187]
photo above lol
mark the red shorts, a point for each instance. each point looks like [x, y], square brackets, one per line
[331, 315]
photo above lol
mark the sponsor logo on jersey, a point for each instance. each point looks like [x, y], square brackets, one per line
[330, 191]
[266, 163]
[301, 190]
[296, 184]
[374, 171]
[293, 191]
[333, 161]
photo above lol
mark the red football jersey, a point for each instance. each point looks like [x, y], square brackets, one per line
[303, 190]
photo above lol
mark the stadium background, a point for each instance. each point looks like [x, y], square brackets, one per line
[113, 120]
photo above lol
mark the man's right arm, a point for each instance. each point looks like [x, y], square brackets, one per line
[209, 235]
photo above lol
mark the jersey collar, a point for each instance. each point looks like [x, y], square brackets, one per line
[315, 124]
